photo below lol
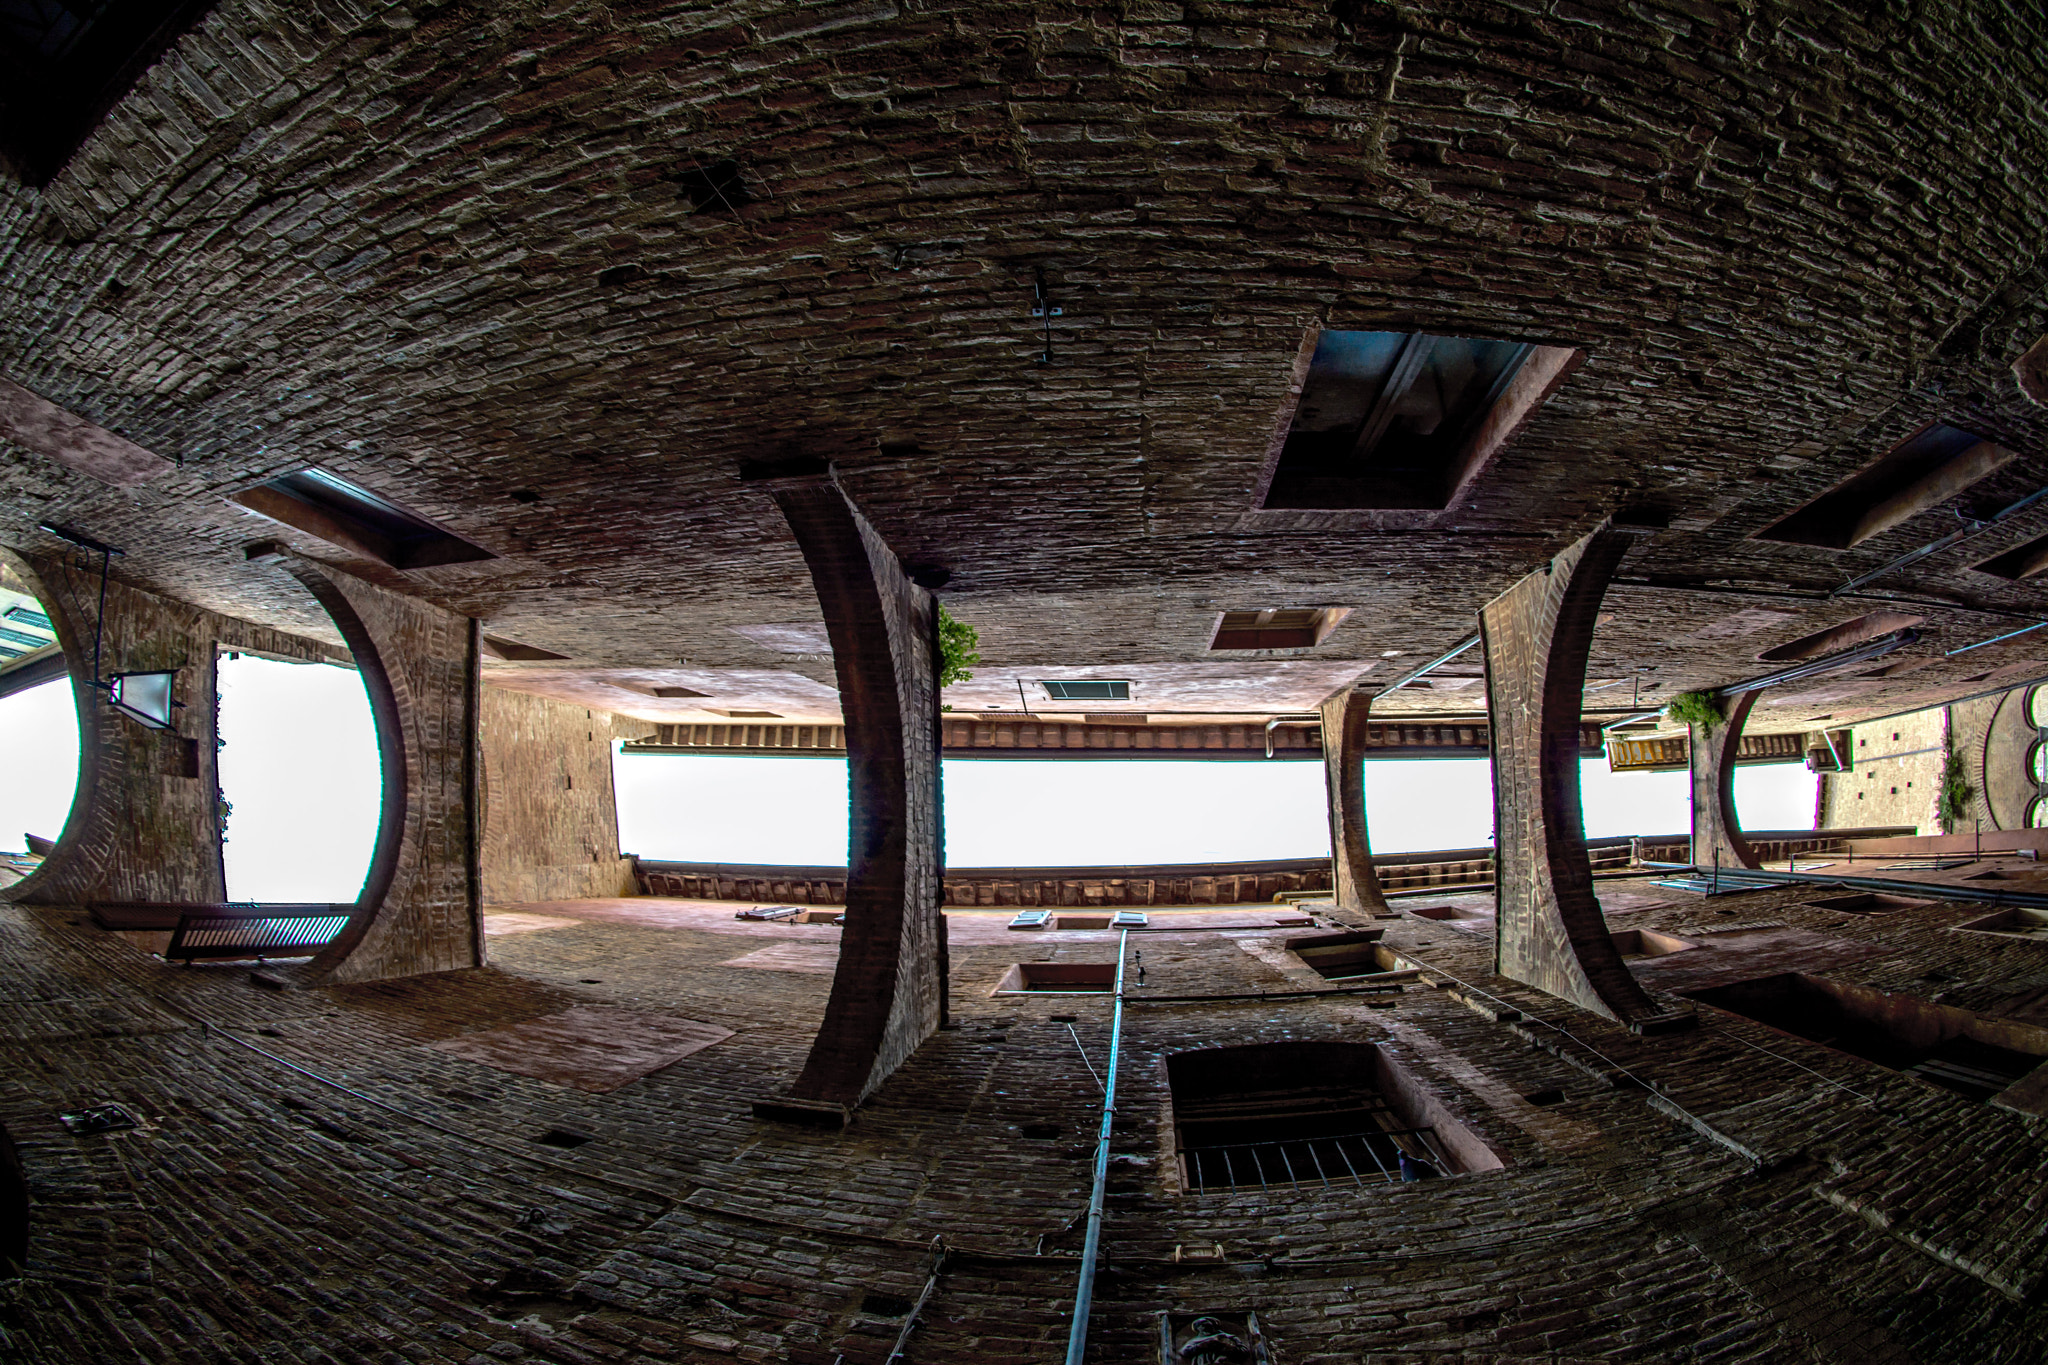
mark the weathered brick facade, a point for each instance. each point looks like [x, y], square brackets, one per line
[551, 819]
[546, 275]
[421, 904]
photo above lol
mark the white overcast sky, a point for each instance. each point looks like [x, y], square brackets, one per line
[299, 764]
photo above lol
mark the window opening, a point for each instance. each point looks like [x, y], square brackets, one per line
[1339, 957]
[1320, 1115]
[358, 520]
[1397, 420]
[1868, 903]
[38, 733]
[1944, 1046]
[1926, 469]
[301, 785]
[2014, 923]
[1058, 978]
[1853, 632]
[67, 62]
[1087, 689]
[1277, 628]
[2022, 561]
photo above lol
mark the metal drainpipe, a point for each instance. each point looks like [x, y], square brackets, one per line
[1084, 1289]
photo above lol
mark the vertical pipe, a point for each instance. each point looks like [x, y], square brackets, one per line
[1084, 1290]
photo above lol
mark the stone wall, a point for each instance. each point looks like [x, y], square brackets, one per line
[551, 817]
[1895, 773]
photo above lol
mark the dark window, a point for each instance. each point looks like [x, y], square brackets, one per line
[1402, 419]
[65, 63]
[498, 647]
[1942, 1045]
[1307, 1114]
[348, 515]
[2022, 561]
[1279, 628]
[1087, 690]
[1840, 637]
[1926, 469]
[1338, 957]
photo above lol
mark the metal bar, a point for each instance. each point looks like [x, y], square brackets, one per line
[2023, 630]
[940, 1255]
[1091, 1247]
[1311, 1145]
[1084, 1057]
[1962, 533]
[1888, 885]
[1356, 1178]
[1366, 1142]
[1438, 662]
[1288, 1162]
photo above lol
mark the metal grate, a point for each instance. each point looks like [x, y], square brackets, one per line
[1370, 1157]
[1087, 689]
[221, 936]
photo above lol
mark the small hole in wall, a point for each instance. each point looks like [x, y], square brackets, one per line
[885, 1305]
[563, 1137]
[1040, 1132]
[1545, 1097]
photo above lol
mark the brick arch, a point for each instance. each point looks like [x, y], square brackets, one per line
[1712, 751]
[1550, 932]
[421, 906]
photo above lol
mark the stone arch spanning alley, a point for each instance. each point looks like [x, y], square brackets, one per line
[1280, 384]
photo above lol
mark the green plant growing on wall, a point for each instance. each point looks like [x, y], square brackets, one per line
[1956, 793]
[1695, 708]
[957, 640]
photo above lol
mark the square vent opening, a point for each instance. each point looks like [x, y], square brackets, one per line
[1277, 628]
[1955, 1049]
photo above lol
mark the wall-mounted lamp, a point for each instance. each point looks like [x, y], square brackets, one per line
[144, 698]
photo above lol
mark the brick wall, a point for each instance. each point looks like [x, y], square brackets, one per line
[145, 822]
[1550, 931]
[551, 820]
[421, 906]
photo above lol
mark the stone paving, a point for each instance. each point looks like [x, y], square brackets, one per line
[1727, 1194]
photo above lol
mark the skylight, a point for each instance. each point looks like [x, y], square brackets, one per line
[356, 519]
[1404, 420]
[1087, 689]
